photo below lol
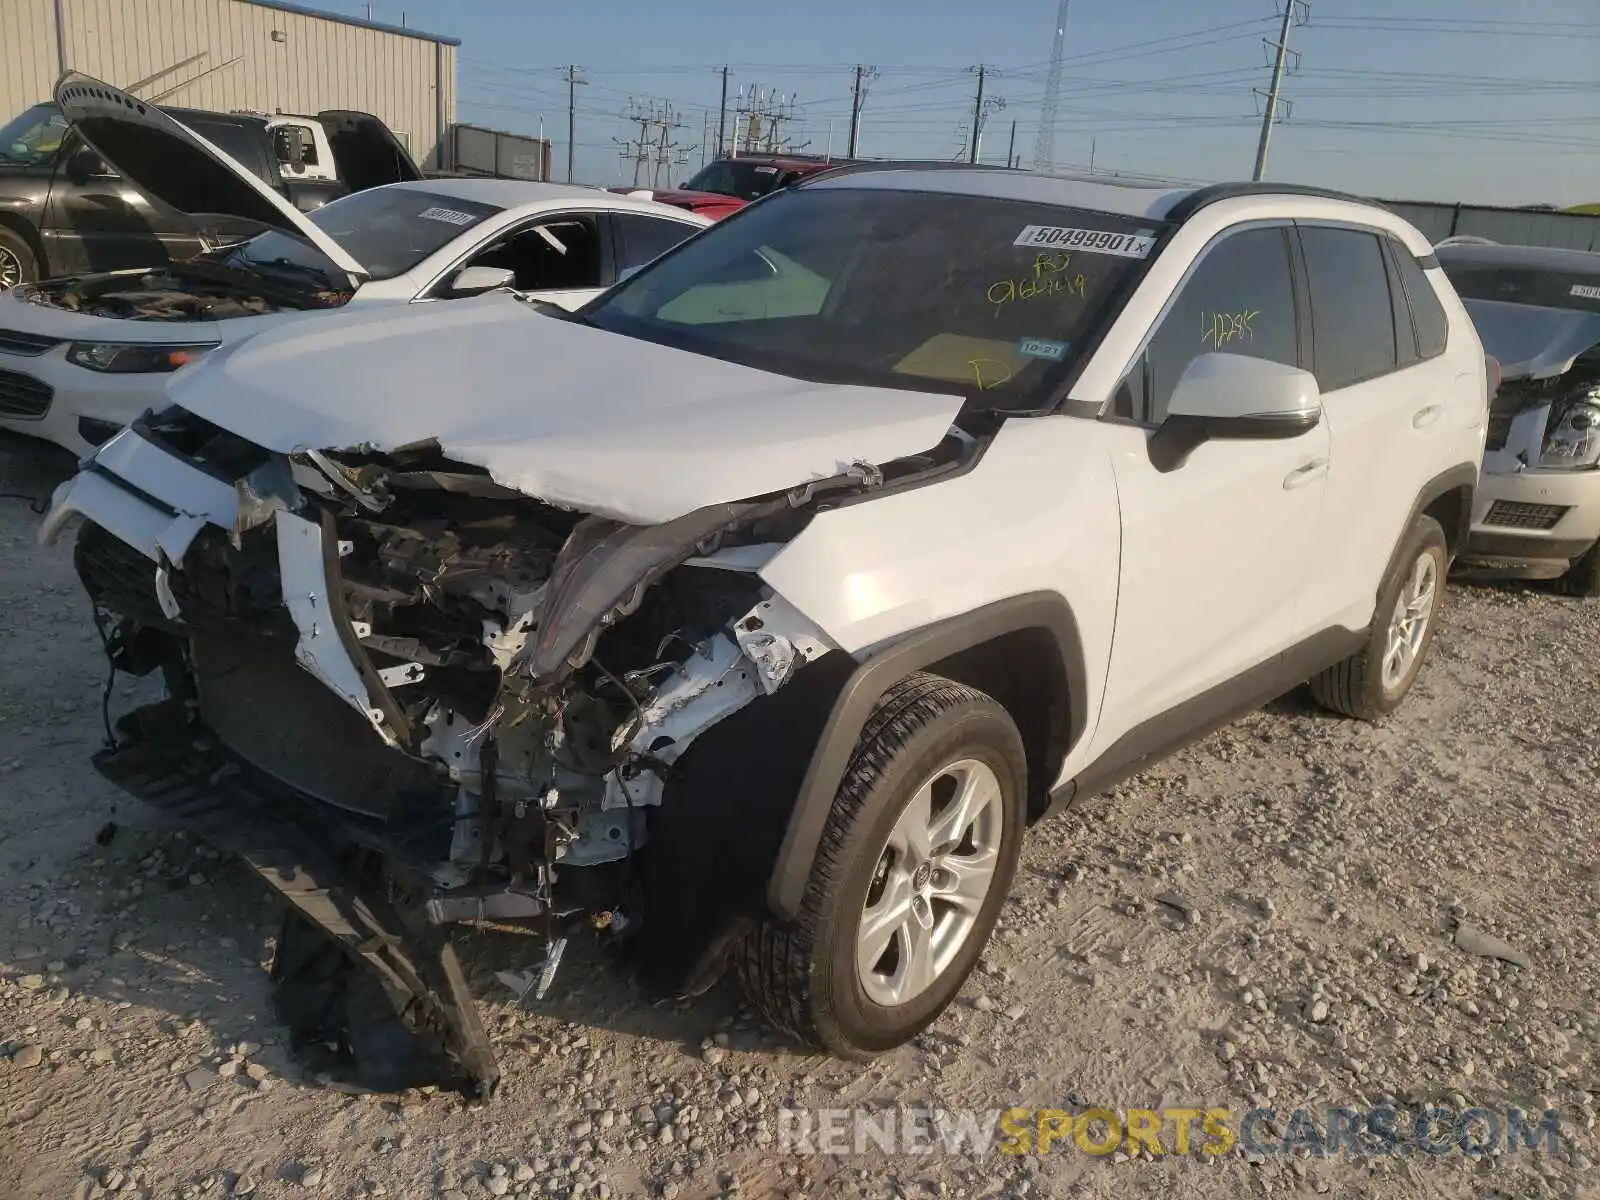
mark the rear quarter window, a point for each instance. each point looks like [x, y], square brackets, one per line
[1427, 314]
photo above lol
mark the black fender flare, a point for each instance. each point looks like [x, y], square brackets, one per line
[880, 669]
[1462, 475]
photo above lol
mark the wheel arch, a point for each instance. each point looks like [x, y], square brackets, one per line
[1447, 498]
[1025, 651]
[30, 237]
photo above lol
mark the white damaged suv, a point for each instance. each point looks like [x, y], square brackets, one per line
[751, 614]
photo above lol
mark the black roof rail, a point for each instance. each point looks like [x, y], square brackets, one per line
[1217, 192]
[905, 164]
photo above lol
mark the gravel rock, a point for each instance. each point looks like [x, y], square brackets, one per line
[30, 1055]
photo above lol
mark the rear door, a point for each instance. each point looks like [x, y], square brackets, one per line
[1386, 408]
[640, 239]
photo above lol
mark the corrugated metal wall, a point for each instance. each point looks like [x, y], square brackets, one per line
[1509, 226]
[256, 57]
[27, 53]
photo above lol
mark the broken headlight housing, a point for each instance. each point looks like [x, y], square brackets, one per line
[126, 358]
[1572, 438]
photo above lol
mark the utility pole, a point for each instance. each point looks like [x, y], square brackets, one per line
[1011, 150]
[571, 75]
[858, 95]
[981, 107]
[722, 114]
[1291, 8]
[977, 116]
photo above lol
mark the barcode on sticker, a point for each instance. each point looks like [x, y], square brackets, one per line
[1090, 241]
[1587, 290]
[446, 214]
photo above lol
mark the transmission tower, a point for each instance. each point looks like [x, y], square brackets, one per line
[1295, 12]
[654, 148]
[759, 117]
[1044, 144]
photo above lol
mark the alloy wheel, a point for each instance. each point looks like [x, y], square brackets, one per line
[10, 269]
[931, 881]
[1408, 625]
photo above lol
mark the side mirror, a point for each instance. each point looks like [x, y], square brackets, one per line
[84, 165]
[469, 281]
[1234, 396]
[291, 152]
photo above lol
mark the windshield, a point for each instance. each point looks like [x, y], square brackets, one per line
[733, 177]
[33, 138]
[902, 289]
[388, 230]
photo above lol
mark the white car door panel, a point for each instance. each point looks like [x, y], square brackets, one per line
[1215, 551]
[1386, 416]
[1214, 555]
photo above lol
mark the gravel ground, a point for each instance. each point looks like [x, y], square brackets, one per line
[1268, 919]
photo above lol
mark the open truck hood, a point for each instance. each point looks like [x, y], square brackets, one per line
[555, 409]
[169, 161]
[365, 151]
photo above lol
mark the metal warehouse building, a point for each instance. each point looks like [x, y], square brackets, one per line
[235, 54]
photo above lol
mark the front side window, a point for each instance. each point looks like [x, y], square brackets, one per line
[1239, 299]
[916, 290]
[1352, 315]
[388, 230]
[549, 255]
[33, 138]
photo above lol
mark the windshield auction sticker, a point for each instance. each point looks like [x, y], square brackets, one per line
[446, 214]
[1586, 290]
[1090, 241]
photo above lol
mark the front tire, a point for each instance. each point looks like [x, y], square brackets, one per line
[1372, 682]
[915, 861]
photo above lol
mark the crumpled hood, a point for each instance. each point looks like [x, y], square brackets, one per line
[560, 411]
[1532, 342]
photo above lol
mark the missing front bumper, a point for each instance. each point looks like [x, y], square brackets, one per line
[392, 967]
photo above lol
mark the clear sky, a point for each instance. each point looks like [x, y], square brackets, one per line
[1473, 100]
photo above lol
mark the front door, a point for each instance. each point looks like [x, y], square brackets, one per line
[1214, 552]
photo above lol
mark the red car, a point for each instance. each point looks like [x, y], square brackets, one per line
[726, 185]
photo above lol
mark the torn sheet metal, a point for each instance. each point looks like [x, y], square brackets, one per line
[618, 427]
[320, 649]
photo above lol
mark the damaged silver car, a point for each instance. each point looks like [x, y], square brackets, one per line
[1537, 514]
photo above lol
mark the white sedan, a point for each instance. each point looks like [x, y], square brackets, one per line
[84, 355]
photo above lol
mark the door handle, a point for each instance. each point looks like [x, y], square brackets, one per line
[1305, 473]
[1425, 417]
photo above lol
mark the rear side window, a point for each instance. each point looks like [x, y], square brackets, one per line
[1238, 300]
[1352, 315]
[1427, 314]
[646, 238]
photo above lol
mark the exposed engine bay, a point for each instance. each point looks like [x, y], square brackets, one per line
[1569, 397]
[180, 292]
[470, 706]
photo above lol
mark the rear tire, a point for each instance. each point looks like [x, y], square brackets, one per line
[915, 861]
[1372, 682]
[17, 264]
[1583, 577]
